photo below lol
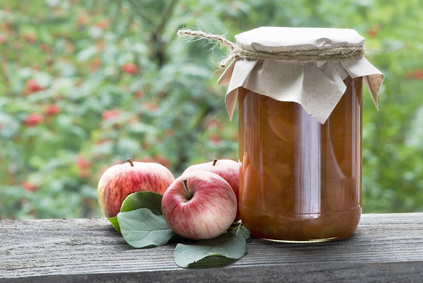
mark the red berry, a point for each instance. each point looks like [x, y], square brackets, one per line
[3, 39]
[82, 162]
[130, 68]
[52, 109]
[83, 166]
[33, 119]
[30, 38]
[373, 32]
[33, 86]
[139, 94]
[103, 24]
[95, 64]
[28, 186]
[418, 74]
[151, 106]
[110, 114]
[45, 48]
[214, 138]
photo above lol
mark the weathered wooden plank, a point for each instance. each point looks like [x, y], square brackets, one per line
[385, 247]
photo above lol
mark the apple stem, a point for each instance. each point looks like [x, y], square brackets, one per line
[214, 162]
[130, 162]
[187, 189]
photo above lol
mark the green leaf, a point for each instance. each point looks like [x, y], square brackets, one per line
[243, 231]
[238, 228]
[150, 200]
[216, 252]
[142, 228]
[114, 222]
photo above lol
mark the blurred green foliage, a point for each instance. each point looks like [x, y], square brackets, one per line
[88, 83]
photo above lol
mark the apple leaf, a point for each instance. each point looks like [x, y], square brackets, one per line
[143, 199]
[238, 228]
[142, 228]
[216, 252]
[114, 222]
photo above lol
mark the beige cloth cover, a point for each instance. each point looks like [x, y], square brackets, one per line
[316, 85]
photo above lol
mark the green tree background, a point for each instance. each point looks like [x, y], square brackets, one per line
[87, 83]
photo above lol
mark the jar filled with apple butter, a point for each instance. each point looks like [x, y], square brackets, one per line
[299, 93]
[300, 180]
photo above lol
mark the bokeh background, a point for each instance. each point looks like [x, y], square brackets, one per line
[86, 84]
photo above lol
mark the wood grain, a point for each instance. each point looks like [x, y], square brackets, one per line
[385, 248]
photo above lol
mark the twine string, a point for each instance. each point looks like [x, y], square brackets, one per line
[236, 52]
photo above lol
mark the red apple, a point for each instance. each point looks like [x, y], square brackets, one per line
[226, 168]
[199, 205]
[121, 180]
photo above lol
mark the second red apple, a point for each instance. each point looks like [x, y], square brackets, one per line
[199, 205]
[226, 168]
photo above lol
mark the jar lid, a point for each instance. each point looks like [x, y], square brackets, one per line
[315, 82]
[280, 39]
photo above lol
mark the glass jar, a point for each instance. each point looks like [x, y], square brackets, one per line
[300, 180]
[299, 93]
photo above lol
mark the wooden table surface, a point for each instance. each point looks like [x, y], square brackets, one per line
[385, 248]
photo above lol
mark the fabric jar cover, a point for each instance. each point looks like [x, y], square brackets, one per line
[316, 84]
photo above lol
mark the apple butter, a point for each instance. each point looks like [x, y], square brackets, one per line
[300, 180]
